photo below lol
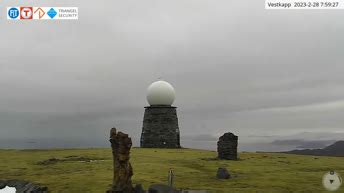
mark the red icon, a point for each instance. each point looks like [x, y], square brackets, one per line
[40, 11]
[26, 13]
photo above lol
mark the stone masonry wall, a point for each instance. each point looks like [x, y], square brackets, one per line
[160, 127]
[227, 147]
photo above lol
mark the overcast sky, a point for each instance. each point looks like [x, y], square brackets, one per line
[234, 65]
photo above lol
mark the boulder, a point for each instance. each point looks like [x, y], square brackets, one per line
[222, 173]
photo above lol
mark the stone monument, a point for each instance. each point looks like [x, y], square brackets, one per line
[122, 170]
[160, 122]
[227, 146]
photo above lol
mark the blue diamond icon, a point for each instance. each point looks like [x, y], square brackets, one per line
[52, 13]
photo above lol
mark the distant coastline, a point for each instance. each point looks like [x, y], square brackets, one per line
[47, 143]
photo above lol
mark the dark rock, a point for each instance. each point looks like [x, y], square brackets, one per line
[2, 184]
[139, 189]
[222, 173]
[23, 186]
[161, 188]
[160, 127]
[227, 147]
[122, 170]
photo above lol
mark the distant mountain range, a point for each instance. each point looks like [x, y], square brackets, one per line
[303, 144]
[336, 149]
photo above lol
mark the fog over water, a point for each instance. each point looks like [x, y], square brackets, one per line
[264, 75]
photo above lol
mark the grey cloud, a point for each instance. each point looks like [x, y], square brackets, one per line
[228, 61]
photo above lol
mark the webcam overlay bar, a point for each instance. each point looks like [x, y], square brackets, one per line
[304, 4]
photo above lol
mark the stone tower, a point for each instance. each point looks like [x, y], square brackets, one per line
[160, 122]
[160, 127]
[227, 146]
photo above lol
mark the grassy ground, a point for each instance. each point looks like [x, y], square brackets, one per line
[194, 169]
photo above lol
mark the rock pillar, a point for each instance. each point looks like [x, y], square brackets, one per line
[122, 170]
[227, 147]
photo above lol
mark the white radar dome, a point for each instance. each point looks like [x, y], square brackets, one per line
[160, 93]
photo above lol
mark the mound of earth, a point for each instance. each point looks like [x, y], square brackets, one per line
[69, 159]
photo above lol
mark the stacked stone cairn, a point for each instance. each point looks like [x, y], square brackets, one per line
[227, 147]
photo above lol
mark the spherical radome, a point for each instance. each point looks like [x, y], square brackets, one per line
[160, 93]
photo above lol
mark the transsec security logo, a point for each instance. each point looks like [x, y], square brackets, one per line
[26, 13]
[12, 13]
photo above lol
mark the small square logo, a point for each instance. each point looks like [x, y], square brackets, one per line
[26, 12]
